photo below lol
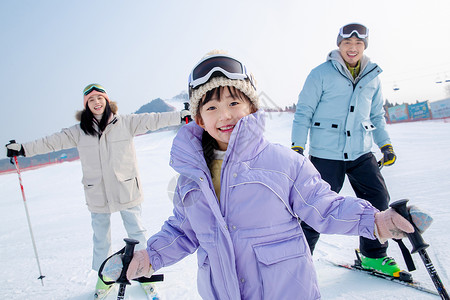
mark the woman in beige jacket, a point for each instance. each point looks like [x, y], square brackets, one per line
[111, 180]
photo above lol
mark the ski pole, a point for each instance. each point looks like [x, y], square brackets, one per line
[419, 245]
[381, 163]
[16, 163]
[186, 107]
[128, 255]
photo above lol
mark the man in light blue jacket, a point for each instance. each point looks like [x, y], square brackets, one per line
[341, 107]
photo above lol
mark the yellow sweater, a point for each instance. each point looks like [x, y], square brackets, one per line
[216, 168]
[354, 70]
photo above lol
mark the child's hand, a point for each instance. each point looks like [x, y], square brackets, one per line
[389, 224]
[139, 265]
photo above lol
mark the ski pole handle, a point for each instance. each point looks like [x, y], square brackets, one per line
[419, 246]
[128, 255]
[186, 107]
[9, 154]
[415, 238]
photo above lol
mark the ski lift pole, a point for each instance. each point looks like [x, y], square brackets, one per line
[16, 164]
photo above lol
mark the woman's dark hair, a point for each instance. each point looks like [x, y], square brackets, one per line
[87, 120]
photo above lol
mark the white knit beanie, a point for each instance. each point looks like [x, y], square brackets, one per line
[245, 86]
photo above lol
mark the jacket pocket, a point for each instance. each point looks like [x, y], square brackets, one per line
[129, 190]
[204, 276]
[367, 128]
[93, 191]
[326, 133]
[288, 261]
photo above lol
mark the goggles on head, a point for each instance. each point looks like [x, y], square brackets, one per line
[93, 87]
[218, 65]
[348, 30]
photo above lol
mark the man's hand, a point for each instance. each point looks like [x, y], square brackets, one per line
[298, 149]
[389, 156]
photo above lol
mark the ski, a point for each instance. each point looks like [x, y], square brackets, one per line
[150, 291]
[104, 295]
[413, 284]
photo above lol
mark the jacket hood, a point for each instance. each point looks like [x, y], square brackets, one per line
[246, 142]
[112, 104]
[335, 55]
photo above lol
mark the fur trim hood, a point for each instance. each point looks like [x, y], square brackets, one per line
[112, 105]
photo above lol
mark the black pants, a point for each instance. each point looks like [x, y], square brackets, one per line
[367, 182]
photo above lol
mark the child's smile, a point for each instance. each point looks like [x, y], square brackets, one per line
[221, 113]
[226, 128]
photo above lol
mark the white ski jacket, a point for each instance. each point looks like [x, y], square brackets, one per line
[110, 174]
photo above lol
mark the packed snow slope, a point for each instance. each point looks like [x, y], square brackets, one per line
[62, 230]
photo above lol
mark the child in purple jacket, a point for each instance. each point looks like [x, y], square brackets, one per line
[239, 199]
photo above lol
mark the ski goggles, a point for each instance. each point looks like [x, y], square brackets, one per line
[348, 30]
[215, 65]
[93, 87]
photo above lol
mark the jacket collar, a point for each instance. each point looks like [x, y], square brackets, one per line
[335, 57]
[246, 142]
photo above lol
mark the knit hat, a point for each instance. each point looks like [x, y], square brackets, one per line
[354, 29]
[244, 85]
[94, 89]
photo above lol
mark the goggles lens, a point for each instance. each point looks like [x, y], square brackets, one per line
[92, 87]
[225, 65]
[360, 30]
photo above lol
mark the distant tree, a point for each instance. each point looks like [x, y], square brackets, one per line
[388, 104]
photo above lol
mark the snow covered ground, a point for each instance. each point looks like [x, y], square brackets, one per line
[62, 230]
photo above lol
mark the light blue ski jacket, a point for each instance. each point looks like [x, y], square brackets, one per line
[344, 115]
[250, 245]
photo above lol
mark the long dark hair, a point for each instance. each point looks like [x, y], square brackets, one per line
[87, 120]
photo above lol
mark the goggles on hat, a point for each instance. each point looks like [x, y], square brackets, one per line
[348, 30]
[222, 64]
[93, 87]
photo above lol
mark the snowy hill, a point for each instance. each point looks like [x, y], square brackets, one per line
[157, 105]
[62, 230]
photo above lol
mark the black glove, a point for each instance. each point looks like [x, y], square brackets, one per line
[186, 114]
[298, 149]
[14, 149]
[389, 156]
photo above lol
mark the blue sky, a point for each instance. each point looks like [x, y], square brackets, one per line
[141, 50]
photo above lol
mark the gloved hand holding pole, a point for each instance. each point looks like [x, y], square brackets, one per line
[419, 245]
[16, 163]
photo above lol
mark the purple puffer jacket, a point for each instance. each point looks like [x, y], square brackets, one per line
[250, 245]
